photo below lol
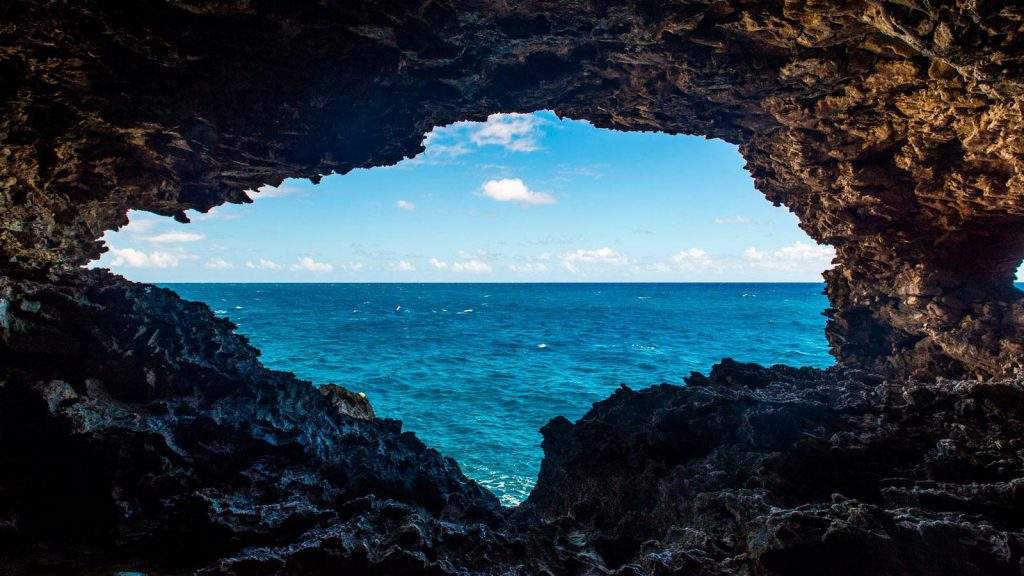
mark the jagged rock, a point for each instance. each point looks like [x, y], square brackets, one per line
[793, 471]
[138, 432]
[891, 129]
[346, 402]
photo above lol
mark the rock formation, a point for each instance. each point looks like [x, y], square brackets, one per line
[793, 471]
[139, 431]
[892, 129]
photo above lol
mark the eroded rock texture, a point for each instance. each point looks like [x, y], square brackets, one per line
[138, 432]
[174, 452]
[892, 129]
[793, 471]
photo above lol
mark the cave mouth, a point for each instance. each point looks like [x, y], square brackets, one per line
[518, 269]
[143, 427]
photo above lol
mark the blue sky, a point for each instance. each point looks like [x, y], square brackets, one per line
[519, 198]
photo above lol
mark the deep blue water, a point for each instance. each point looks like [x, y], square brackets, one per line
[476, 369]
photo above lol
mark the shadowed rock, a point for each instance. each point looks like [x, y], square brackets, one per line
[891, 129]
[138, 432]
[793, 471]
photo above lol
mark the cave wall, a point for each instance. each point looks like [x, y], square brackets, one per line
[139, 432]
[891, 129]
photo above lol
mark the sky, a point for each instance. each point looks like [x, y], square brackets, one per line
[518, 198]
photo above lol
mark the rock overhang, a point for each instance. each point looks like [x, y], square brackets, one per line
[892, 132]
[891, 129]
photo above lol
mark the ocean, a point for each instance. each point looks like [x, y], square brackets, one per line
[476, 369]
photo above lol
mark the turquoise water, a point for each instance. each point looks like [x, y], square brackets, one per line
[476, 369]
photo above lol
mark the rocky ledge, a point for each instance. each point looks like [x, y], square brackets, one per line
[789, 471]
[140, 433]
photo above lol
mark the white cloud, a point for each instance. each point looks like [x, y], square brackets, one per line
[405, 205]
[274, 191]
[218, 263]
[603, 256]
[514, 190]
[529, 267]
[133, 258]
[308, 264]
[567, 172]
[797, 257]
[435, 147]
[355, 266]
[217, 213]
[263, 264]
[472, 266]
[516, 132]
[444, 144]
[732, 220]
[402, 266]
[139, 226]
[692, 258]
[175, 237]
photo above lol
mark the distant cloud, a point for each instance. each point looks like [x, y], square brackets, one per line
[571, 261]
[139, 226]
[514, 190]
[797, 257]
[435, 145]
[218, 264]
[355, 266]
[528, 267]
[472, 266]
[567, 172]
[402, 266]
[405, 205]
[275, 191]
[308, 264]
[263, 264]
[175, 237]
[217, 213]
[133, 258]
[516, 132]
[692, 258]
[725, 220]
[444, 144]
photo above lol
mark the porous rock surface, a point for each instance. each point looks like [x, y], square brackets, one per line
[793, 471]
[891, 129]
[138, 432]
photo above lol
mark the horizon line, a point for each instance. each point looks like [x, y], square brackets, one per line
[495, 282]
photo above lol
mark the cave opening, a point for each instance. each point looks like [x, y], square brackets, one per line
[520, 268]
[141, 433]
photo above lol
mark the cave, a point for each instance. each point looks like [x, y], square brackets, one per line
[140, 433]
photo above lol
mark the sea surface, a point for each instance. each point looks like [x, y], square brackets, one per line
[476, 369]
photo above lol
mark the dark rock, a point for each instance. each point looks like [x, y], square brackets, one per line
[781, 471]
[892, 130]
[139, 432]
[348, 403]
